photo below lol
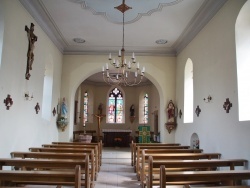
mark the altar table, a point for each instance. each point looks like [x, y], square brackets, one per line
[116, 137]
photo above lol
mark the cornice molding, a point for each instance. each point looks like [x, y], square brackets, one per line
[201, 18]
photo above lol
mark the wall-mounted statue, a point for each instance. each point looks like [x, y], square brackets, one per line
[171, 115]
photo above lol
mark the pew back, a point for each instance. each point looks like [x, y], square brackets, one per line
[193, 165]
[72, 178]
[225, 177]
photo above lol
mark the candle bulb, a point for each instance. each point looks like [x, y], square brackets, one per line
[107, 66]
[110, 56]
[119, 53]
[136, 74]
[102, 68]
[133, 55]
[138, 65]
[143, 69]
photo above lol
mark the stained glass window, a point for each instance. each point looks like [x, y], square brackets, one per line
[85, 107]
[115, 104]
[145, 112]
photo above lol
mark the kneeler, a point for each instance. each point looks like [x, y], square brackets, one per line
[144, 134]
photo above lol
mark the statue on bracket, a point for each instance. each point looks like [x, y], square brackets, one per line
[171, 124]
[62, 120]
[132, 113]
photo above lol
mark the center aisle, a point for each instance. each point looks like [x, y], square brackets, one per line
[116, 169]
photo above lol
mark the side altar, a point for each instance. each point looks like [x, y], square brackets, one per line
[116, 137]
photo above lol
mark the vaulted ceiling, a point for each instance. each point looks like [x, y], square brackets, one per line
[98, 26]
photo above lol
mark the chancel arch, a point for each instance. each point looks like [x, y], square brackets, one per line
[78, 68]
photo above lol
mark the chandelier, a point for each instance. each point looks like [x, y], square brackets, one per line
[123, 72]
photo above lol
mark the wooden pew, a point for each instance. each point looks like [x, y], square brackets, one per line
[159, 151]
[199, 177]
[133, 148]
[135, 152]
[93, 164]
[54, 155]
[49, 164]
[174, 156]
[72, 178]
[99, 144]
[182, 165]
[94, 147]
[162, 150]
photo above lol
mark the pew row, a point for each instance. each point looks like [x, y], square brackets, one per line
[174, 156]
[135, 152]
[133, 146]
[72, 178]
[160, 150]
[99, 144]
[224, 177]
[93, 164]
[54, 155]
[150, 175]
[94, 147]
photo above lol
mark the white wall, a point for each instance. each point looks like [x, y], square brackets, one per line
[160, 71]
[21, 127]
[214, 59]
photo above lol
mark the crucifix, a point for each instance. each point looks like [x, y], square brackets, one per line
[99, 117]
[30, 55]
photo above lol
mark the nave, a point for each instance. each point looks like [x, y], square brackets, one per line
[116, 169]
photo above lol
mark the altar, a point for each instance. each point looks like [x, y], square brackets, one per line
[116, 137]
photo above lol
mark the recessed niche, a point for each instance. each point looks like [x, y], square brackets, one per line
[195, 141]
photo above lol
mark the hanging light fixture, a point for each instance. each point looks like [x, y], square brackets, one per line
[127, 73]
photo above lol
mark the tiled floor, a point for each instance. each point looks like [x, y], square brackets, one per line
[116, 169]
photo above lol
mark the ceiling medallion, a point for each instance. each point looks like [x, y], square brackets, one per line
[78, 40]
[161, 41]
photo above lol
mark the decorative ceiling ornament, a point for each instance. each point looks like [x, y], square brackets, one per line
[123, 72]
[100, 7]
[227, 105]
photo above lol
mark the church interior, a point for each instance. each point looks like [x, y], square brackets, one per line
[64, 74]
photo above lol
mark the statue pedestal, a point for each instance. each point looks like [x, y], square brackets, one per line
[170, 126]
[85, 138]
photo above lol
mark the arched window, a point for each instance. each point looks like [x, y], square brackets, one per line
[1, 31]
[242, 36]
[188, 92]
[145, 109]
[115, 106]
[85, 107]
[47, 90]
